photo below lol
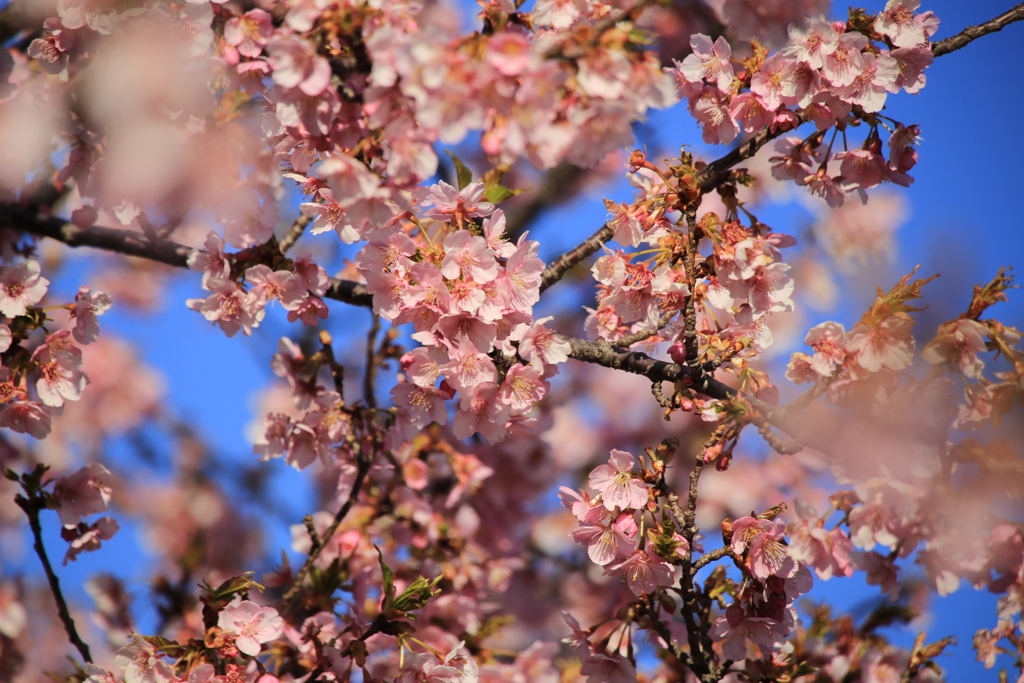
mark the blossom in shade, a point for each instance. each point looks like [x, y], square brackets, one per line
[26, 417]
[88, 305]
[252, 625]
[141, 663]
[607, 542]
[644, 572]
[87, 538]
[618, 487]
[889, 344]
[958, 344]
[21, 286]
[86, 492]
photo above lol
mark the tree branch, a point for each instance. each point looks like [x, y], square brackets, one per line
[136, 244]
[364, 461]
[561, 265]
[971, 33]
[32, 507]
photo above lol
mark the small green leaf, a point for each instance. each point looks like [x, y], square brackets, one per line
[388, 578]
[463, 174]
[496, 194]
[168, 647]
[416, 595]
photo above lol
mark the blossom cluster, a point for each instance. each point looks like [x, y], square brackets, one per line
[824, 73]
[469, 295]
[50, 366]
[234, 307]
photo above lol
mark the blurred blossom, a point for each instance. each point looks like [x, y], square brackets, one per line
[857, 235]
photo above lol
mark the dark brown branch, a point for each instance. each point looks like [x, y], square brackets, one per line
[136, 244]
[108, 239]
[947, 45]
[32, 507]
[561, 265]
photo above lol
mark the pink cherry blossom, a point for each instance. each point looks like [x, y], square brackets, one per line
[281, 285]
[958, 344]
[249, 32]
[252, 625]
[141, 663]
[765, 542]
[21, 286]
[468, 255]
[481, 411]
[710, 62]
[810, 45]
[455, 205]
[618, 486]
[609, 540]
[889, 344]
[296, 65]
[827, 341]
[230, 307]
[843, 64]
[59, 362]
[644, 572]
[902, 26]
[26, 417]
[543, 348]
[775, 82]
[523, 386]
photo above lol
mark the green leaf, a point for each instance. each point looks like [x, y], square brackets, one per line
[225, 592]
[463, 174]
[168, 647]
[496, 194]
[416, 595]
[388, 577]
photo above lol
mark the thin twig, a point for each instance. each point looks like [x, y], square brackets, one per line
[646, 333]
[32, 507]
[561, 265]
[971, 33]
[362, 468]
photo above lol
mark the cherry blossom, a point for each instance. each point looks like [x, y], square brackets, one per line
[21, 286]
[252, 625]
[618, 487]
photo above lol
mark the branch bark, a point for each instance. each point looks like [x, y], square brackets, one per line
[561, 265]
[971, 33]
[31, 508]
[137, 244]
